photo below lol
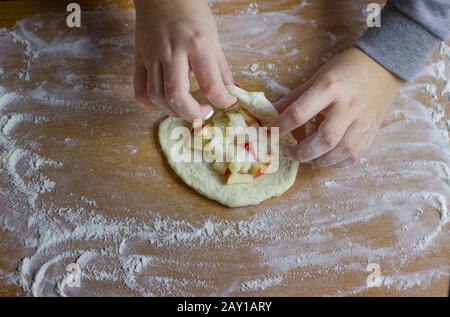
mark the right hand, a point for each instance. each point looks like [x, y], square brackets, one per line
[172, 38]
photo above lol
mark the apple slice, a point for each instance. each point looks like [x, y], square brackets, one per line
[235, 167]
[252, 123]
[259, 169]
[254, 169]
[236, 119]
[220, 167]
[264, 169]
[222, 124]
[249, 120]
[251, 149]
[239, 179]
[213, 151]
[196, 142]
[245, 168]
[209, 132]
[245, 114]
[243, 156]
[267, 158]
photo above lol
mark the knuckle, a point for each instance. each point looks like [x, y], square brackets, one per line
[197, 39]
[173, 96]
[299, 115]
[331, 83]
[166, 58]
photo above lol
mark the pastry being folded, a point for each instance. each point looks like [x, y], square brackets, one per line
[242, 176]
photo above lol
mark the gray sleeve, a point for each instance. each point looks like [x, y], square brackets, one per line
[410, 32]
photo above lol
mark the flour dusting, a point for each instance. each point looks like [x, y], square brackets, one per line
[78, 184]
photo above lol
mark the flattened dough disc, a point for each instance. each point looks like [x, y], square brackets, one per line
[209, 183]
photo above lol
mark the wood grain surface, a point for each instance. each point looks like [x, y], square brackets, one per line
[138, 184]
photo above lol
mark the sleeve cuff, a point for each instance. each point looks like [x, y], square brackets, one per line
[400, 45]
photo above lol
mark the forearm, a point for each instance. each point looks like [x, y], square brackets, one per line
[410, 31]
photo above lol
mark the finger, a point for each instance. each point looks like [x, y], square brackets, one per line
[156, 90]
[176, 89]
[353, 146]
[314, 100]
[225, 70]
[362, 149]
[282, 104]
[209, 77]
[140, 84]
[345, 149]
[328, 136]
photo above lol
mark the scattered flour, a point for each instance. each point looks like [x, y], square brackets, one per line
[277, 87]
[6, 98]
[261, 284]
[74, 274]
[331, 184]
[139, 250]
[254, 68]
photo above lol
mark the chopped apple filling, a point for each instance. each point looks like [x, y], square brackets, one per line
[242, 165]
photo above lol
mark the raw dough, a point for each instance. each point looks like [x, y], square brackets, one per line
[206, 181]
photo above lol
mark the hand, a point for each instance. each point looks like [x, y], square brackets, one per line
[173, 37]
[353, 93]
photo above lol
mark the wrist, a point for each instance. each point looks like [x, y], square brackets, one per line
[378, 70]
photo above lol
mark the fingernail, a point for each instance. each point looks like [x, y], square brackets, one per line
[209, 115]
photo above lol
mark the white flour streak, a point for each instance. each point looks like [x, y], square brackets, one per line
[82, 48]
[73, 274]
[39, 277]
[277, 87]
[261, 284]
[15, 157]
[6, 98]
[391, 209]
[404, 281]
[434, 70]
[9, 122]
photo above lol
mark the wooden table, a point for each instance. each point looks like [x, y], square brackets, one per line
[140, 231]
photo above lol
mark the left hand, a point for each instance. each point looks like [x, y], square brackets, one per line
[354, 93]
